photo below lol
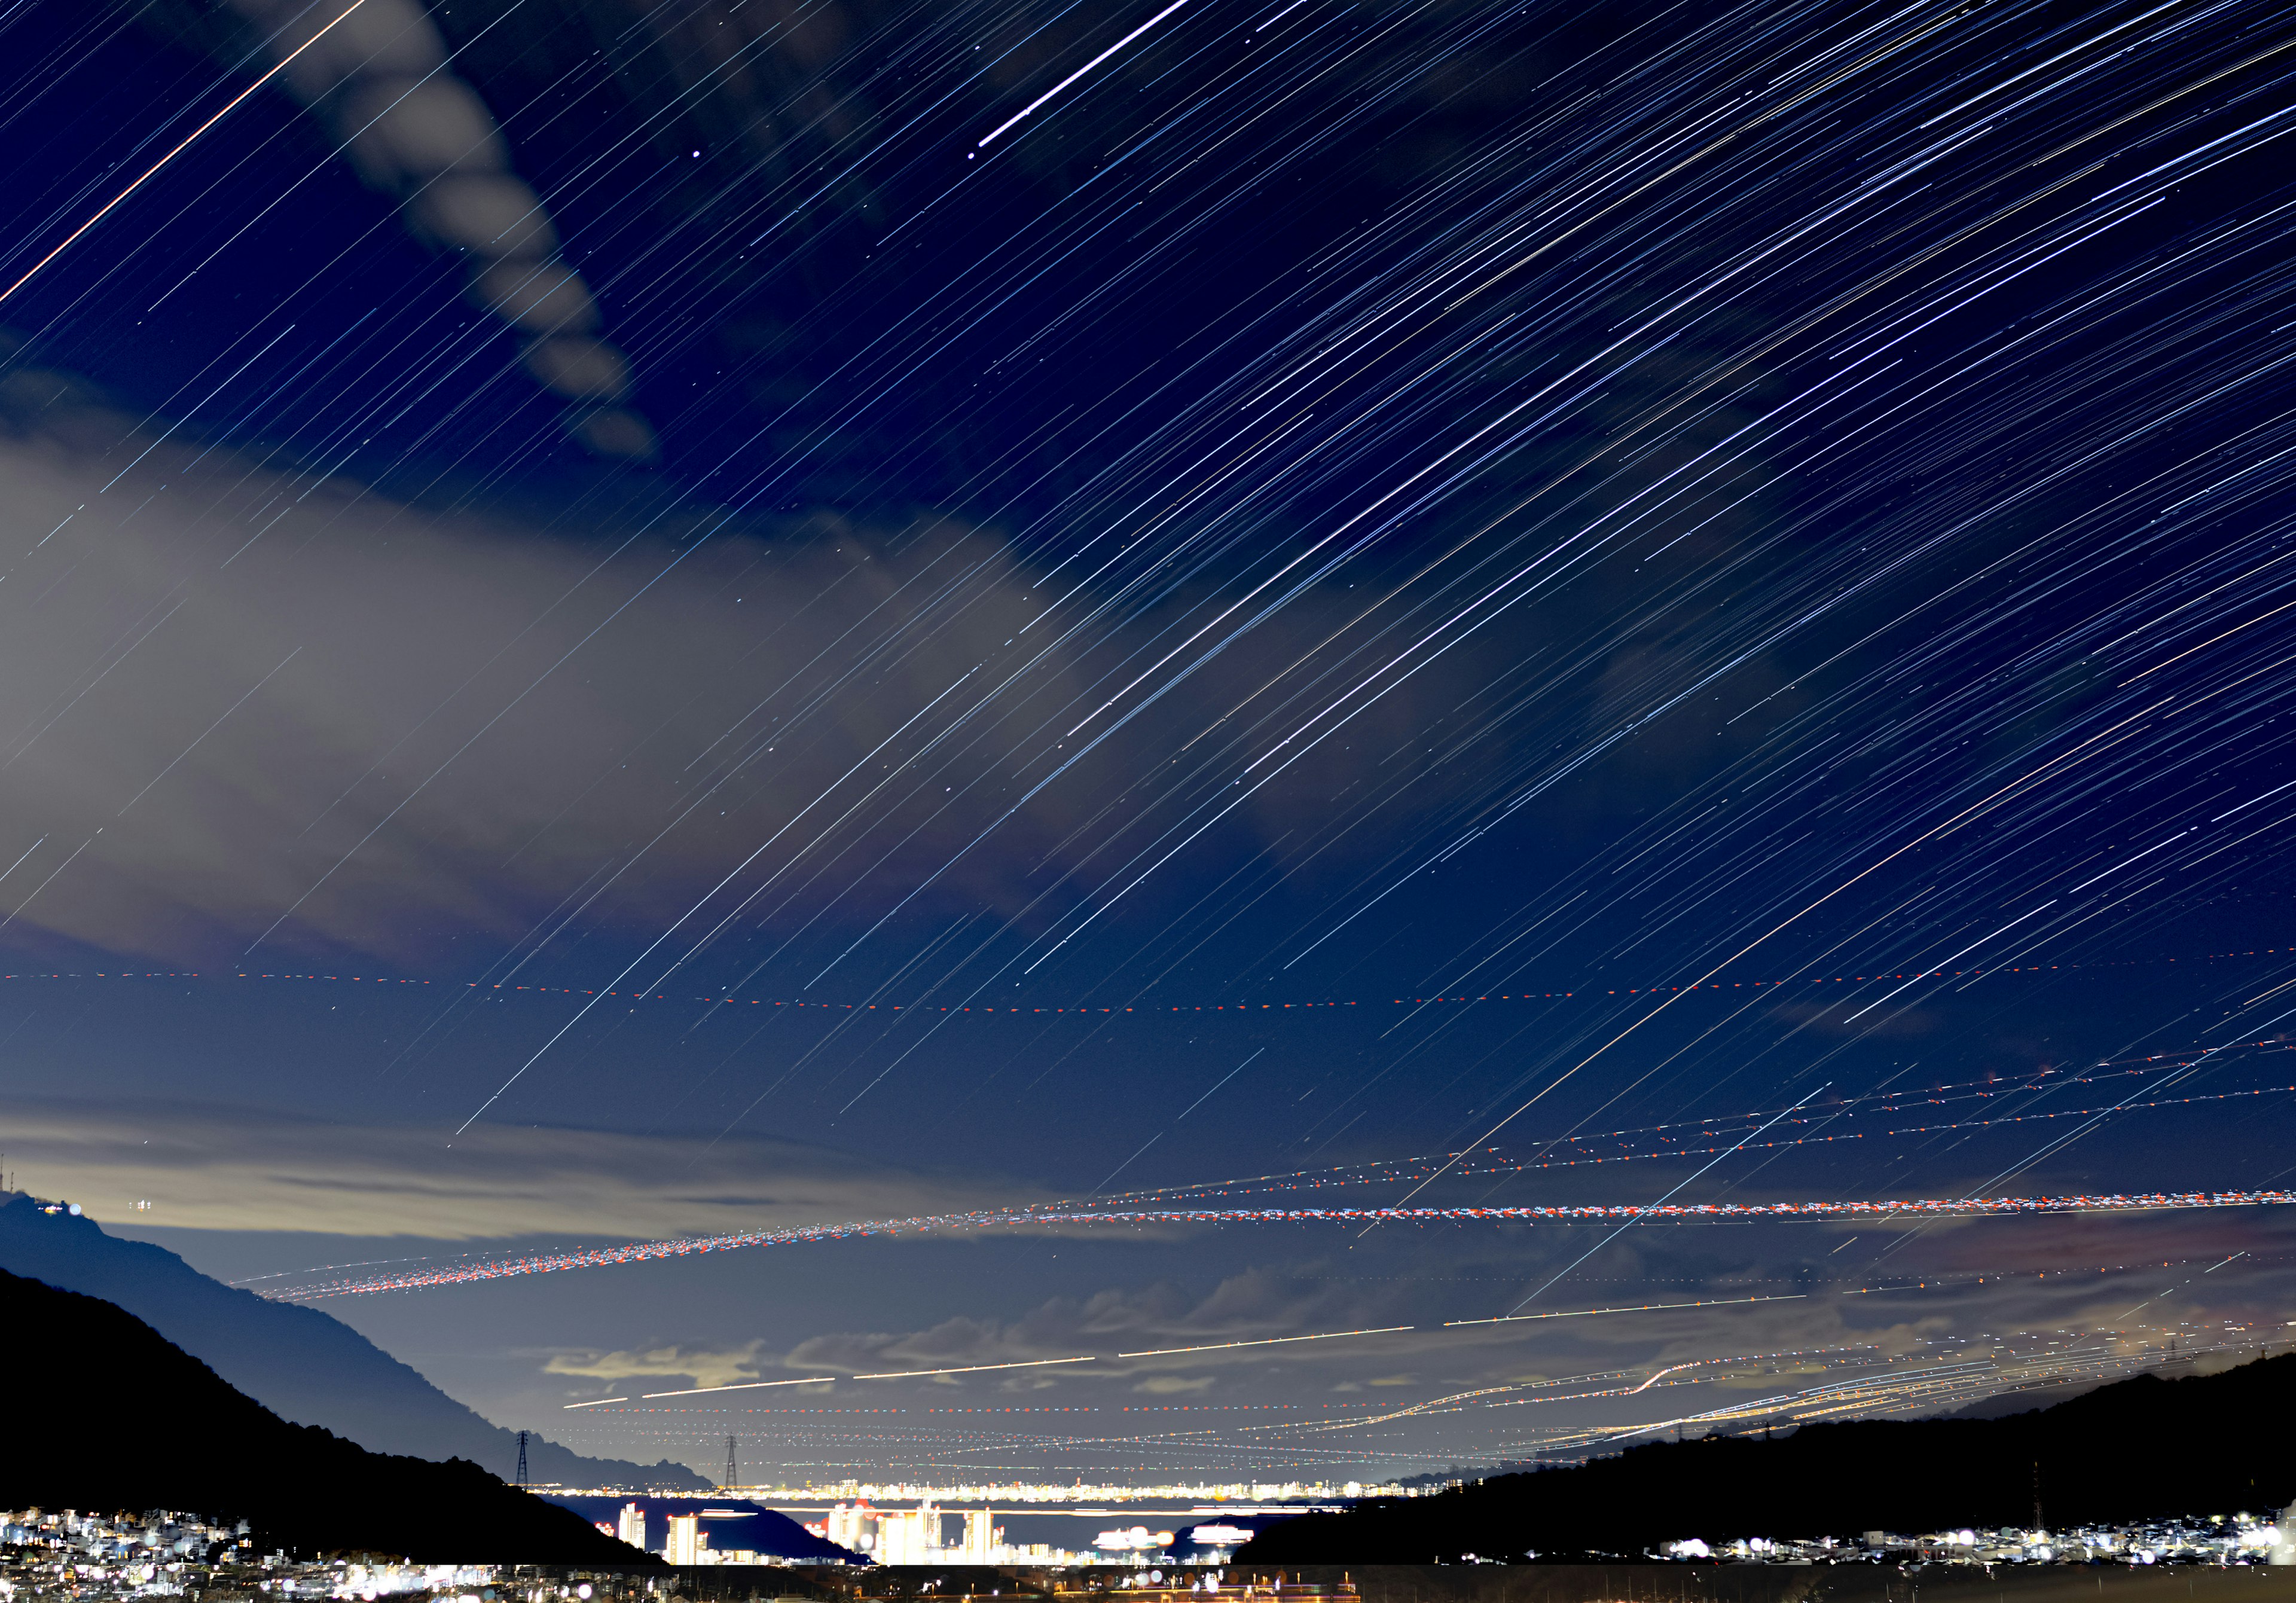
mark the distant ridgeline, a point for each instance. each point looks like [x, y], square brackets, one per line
[2138, 1449]
[102, 1413]
[302, 1364]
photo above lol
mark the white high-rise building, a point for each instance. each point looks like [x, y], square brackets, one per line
[978, 1545]
[908, 1536]
[896, 1537]
[630, 1525]
[844, 1525]
[892, 1537]
[686, 1541]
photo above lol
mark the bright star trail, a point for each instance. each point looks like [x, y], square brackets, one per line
[1231, 673]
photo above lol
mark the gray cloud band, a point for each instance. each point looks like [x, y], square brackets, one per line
[381, 80]
[214, 1167]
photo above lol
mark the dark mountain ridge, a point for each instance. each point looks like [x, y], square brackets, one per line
[125, 1419]
[303, 1365]
[2138, 1449]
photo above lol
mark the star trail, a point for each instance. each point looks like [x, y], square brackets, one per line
[1029, 630]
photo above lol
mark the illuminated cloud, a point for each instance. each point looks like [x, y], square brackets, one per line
[703, 1369]
[254, 697]
[226, 1169]
[258, 706]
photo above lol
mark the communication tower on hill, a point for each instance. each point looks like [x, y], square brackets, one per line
[732, 1480]
[521, 1461]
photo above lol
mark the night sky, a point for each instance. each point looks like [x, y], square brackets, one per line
[626, 623]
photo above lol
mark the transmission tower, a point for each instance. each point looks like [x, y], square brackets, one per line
[521, 1461]
[731, 1478]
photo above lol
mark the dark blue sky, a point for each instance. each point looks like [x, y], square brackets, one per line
[638, 621]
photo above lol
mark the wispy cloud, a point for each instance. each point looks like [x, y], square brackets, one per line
[221, 1168]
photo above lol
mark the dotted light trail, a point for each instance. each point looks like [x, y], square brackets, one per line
[746, 1385]
[975, 1369]
[1265, 1341]
[637, 1252]
[1214, 1346]
[1715, 1302]
[986, 1010]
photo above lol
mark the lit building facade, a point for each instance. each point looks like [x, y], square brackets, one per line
[630, 1525]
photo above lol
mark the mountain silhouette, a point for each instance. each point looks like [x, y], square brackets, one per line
[2142, 1448]
[301, 1364]
[120, 1418]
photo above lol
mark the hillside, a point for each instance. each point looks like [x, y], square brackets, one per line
[2143, 1447]
[105, 1414]
[299, 1362]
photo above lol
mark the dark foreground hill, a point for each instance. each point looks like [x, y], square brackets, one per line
[298, 1363]
[2136, 1449]
[103, 1414]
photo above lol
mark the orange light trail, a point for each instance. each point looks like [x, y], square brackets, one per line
[106, 209]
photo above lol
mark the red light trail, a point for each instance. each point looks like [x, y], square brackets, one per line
[1024, 1218]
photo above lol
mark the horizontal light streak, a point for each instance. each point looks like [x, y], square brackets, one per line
[1265, 1341]
[987, 1010]
[1040, 1217]
[1717, 1302]
[975, 1369]
[597, 1402]
[745, 1386]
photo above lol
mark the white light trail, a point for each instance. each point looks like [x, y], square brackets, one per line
[975, 1369]
[1719, 1302]
[746, 1385]
[1080, 73]
[1265, 1341]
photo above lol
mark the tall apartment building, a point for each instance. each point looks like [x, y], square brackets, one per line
[908, 1536]
[630, 1525]
[977, 1544]
[843, 1525]
[686, 1540]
